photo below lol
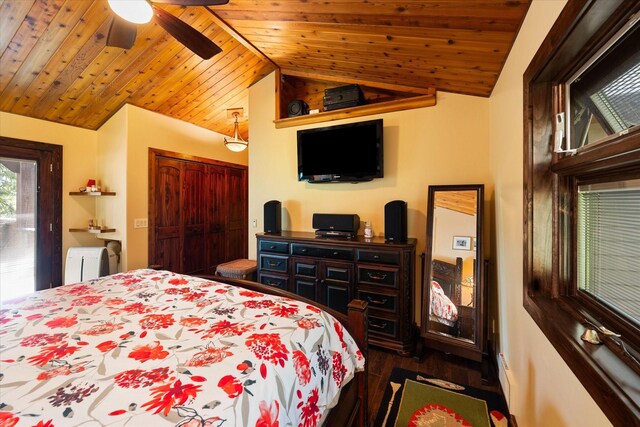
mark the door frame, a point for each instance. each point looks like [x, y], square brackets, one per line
[48, 274]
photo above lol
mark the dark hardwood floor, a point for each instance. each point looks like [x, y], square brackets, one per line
[445, 366]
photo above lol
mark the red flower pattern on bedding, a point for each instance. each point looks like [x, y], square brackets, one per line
[157, 348]
[144, 353]
[268, 347]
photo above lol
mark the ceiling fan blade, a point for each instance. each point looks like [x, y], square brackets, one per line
[122, 33]
[192, 2]
[185, 34]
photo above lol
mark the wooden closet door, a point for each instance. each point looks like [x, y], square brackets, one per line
[216, 216]
[193, 218]
[167, 249]
[236, 214]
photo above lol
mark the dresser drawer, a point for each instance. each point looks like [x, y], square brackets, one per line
[336, 273]
[379, 257]
[274, 280]
[378, 276]
[275, 247]
[322, 252]
[305, 269]
[379, 301]
[380, 326]
[274, 263]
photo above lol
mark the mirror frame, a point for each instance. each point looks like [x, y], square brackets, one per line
[475, 349]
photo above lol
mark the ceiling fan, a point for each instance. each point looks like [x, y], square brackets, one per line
[129, 13]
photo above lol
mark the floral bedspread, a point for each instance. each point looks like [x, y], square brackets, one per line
[442, 309]
[151, 348]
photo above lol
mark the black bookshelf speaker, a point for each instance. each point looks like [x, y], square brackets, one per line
[272, 217]
[297, 107]
[395, 221]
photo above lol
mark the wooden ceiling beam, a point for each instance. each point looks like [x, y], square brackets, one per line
[348, 80]
[233, 33]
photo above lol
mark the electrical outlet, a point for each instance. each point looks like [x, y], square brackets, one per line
[140, 223]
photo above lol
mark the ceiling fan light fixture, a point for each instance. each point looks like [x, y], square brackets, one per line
[236, 143]
[136, 11]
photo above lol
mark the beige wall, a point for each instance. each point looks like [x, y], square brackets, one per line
[128, 152]
[445, 144]
[546, 391]
[112, 171]
[78, 165]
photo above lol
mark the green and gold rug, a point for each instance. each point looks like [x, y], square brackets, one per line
[413, 399]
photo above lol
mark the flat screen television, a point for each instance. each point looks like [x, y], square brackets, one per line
[342, 153]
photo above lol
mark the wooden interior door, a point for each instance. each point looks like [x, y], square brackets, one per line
[197, 212]
[167, 236]
[237, 214]
[193, 218]
[216, 221]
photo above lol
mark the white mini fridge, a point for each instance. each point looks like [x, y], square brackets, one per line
[86, 263]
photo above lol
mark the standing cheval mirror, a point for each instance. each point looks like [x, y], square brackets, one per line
[453, 292]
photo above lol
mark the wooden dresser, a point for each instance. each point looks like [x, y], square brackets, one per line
[334, 271]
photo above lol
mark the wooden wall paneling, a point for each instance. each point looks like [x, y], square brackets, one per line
[245, 76]
[12, 14]
[26, 38]
[221, 88]
[84, 30]
[182, 99]
[55, 66]
[175, 74]
[55, 33]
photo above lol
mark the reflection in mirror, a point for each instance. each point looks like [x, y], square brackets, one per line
[453, 313]
[453, 260]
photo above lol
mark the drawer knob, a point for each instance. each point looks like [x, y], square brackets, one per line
[374, 276]
[377, 326]
[336, 252]
[303, 250]
[377, 301]
[272, 247]
[376, 257]
[274, 263]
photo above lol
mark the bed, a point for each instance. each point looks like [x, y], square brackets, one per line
[445, 296]
[158, 348]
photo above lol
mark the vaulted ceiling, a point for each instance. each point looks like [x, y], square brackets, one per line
[54, 64]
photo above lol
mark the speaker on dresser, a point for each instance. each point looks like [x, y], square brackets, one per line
[272, 217]
[297, 107]
[395, 221]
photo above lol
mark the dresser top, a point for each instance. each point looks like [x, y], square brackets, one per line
[311, 237]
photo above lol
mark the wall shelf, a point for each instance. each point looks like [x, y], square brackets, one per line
[92, 193]
[92, 230]
[361, 110]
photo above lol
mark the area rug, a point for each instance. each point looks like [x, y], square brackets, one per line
[413, 399]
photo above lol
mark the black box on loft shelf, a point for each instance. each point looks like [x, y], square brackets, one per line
[342, 97]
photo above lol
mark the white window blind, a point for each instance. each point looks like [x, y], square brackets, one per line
[608, 243]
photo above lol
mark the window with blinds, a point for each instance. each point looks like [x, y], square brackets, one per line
[608, 245]
[604, 95]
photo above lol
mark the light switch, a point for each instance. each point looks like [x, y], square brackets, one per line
[140, 223]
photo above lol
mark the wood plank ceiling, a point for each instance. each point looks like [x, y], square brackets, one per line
[54, 64]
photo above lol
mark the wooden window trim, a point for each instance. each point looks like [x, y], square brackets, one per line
[549, 295]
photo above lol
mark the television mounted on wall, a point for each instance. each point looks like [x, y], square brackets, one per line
[343, 153]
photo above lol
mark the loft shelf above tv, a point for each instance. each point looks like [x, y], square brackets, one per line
[359, 111]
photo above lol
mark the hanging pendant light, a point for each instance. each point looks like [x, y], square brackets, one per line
[236, 143]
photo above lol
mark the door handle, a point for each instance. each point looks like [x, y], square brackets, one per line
[377, 301]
